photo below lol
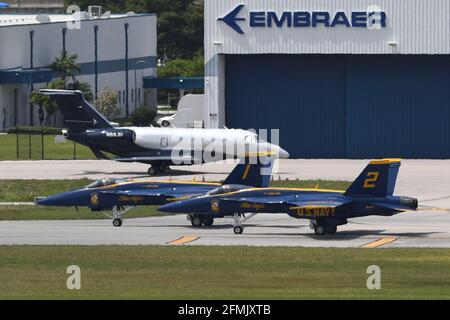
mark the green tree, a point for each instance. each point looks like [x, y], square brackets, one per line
[182, 68]
[179, 23]
[107, 103]
[65, 65]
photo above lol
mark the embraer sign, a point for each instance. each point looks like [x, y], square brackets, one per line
[372, 18]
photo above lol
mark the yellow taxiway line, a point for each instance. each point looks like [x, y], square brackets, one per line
[183, 240]
[379, 242]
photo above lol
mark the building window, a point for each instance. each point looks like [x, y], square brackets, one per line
[124, 96]
[139, 94]
[120, 100]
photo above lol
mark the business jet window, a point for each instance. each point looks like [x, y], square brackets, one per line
[227, 188]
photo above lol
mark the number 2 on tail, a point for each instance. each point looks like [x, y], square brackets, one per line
[372, 177]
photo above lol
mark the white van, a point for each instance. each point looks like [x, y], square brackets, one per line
[188, 115]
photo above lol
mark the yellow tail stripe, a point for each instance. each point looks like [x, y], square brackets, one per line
[380, 242]
[183, 240]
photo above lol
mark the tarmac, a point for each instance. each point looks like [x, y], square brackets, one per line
[427, 180]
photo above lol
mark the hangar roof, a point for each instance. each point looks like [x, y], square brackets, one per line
[26, 19]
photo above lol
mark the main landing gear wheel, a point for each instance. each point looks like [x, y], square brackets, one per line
[331, 230]
[238, 229]
[319, 230]
[208, 221]
[196, 221]
[117, 222]
[157, 168]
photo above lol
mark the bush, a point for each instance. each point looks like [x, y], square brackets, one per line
[143, 116]
[107, 103]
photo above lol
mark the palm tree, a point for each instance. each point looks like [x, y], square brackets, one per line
[65, 65]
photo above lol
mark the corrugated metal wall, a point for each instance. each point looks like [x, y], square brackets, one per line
[418, 26]
[344, 106]
[398, 106]
[415, 26]
[302, 96]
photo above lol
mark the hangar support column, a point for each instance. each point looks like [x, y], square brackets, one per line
[214, 91]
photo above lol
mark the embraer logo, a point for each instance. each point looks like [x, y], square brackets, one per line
[372, 18]
[231, 19]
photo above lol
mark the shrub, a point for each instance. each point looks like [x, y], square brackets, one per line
[107, 103]
[143, 116]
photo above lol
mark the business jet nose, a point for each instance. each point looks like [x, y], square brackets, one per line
[275, 150]
[280, 152]
[283, 154]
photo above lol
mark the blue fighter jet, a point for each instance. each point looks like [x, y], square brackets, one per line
[121, 195]
[370, 194]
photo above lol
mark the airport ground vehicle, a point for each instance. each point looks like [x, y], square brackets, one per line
[189, 113]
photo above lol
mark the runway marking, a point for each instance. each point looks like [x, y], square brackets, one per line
[183, 240]
[16, 203]
[379, 242]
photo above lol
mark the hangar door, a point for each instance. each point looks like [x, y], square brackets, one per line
[344, 106]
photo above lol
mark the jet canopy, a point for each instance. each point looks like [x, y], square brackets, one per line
[227, 188]
[103, 183]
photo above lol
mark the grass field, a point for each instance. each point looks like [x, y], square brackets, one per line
[26, 190]
[8, 148]
[192, 272]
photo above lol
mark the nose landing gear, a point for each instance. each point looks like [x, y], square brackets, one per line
[117, 215]
[237, 222]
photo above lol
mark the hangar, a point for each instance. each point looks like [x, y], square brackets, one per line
[339, 78]
[111, 53]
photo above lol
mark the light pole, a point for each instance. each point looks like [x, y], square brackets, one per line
[135, 82]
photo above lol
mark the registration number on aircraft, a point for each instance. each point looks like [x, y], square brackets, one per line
[118, 134]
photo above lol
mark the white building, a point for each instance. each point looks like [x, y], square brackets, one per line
[114, 51]
[338, 78]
